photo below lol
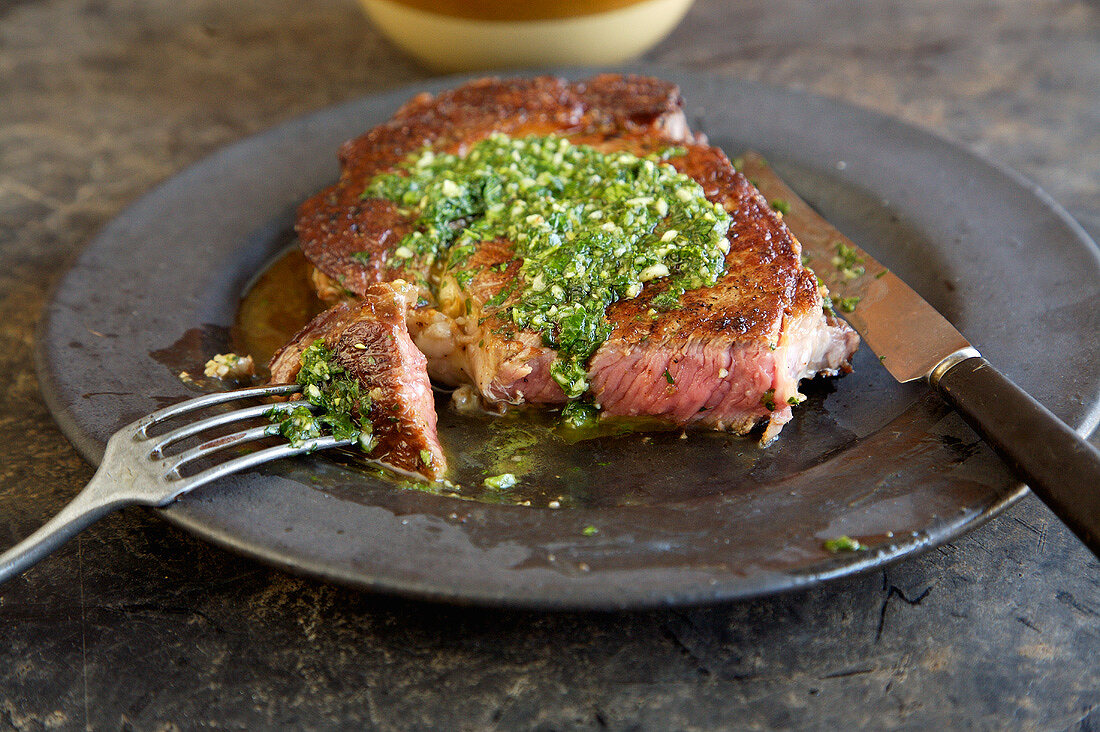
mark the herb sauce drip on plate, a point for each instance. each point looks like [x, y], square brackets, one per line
[591, 228]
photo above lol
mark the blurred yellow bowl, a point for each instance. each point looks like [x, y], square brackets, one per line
[471, 35]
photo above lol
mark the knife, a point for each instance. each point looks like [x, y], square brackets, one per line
[914, 342]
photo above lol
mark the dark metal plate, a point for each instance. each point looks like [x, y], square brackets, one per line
[679, 521]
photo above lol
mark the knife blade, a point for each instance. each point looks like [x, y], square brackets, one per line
[914, 341]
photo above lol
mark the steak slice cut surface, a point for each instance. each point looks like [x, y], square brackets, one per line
[729, 357]
[369, 339]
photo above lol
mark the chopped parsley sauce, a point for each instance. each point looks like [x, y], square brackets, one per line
[847, 304]
[843, 544]
[343, 407]
[591, 228]
[848, 262]
[500, 482]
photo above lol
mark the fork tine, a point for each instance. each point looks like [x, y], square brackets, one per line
[257, 458]
[163, 441]
[129, 475]
[217, 444]
[209, 400]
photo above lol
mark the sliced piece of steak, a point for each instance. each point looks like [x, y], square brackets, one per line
[729, 357]
[370, 341]
[732, 354]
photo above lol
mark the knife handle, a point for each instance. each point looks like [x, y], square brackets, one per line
[1056, 463]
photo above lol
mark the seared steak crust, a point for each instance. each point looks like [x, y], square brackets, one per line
[729, 357]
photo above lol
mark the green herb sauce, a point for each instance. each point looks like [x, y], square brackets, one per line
[848, 262]
[768, 400]
[326, 385]
[591, 228]
[781, 206]
[580, 415]
[500, 482]
[846, 304]
[843, 544]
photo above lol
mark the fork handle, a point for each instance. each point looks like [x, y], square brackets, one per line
[90, 505]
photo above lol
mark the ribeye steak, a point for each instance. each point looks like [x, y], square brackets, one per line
[729, 357]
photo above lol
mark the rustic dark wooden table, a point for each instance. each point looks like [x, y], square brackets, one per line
[138, 625]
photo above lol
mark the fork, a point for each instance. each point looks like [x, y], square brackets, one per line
[137, 470]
